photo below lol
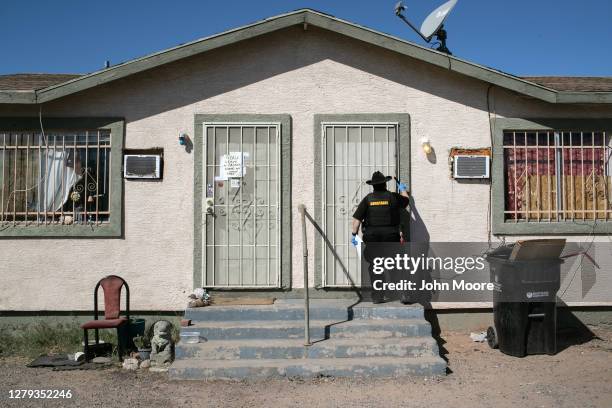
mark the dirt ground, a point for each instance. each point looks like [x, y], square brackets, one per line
[578, 376]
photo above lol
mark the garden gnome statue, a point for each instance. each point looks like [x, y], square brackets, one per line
[162, 349]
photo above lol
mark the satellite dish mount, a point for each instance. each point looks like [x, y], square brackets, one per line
[433, 25]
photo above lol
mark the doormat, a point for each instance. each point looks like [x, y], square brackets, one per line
[60, 362]
[53, 360]
[242, 301]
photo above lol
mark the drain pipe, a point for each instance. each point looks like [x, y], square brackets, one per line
[302, 210]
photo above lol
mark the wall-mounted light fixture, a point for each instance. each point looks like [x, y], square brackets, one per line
[183, 139]
[426, 145]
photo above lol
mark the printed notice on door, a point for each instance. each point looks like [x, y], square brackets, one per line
[231, 166]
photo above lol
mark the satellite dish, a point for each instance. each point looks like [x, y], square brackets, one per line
[433, 25]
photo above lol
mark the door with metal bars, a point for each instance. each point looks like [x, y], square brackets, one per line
[351, 152]
[241, 211]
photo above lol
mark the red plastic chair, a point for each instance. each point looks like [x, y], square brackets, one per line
[111, 285]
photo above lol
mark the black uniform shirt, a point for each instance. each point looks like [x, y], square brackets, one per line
[397, 204]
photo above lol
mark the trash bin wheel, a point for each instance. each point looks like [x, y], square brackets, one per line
[492, 337]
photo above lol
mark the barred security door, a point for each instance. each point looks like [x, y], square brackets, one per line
[242, 216]
[351, 152]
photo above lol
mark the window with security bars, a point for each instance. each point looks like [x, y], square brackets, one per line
[557, 176]
[55, 177]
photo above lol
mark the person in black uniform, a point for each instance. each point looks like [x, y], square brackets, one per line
[379, 216]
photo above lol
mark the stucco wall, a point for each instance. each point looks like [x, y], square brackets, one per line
[294, 72]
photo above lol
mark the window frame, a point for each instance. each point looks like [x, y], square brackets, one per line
[502, 227]
[111, 229]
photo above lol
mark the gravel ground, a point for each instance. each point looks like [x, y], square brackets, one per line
[578, 376]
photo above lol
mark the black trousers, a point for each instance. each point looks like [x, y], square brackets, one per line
[369, 254]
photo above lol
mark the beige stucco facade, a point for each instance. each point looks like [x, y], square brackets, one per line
[296, 72]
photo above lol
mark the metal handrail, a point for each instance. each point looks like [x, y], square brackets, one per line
[307, 342]
[304, 215]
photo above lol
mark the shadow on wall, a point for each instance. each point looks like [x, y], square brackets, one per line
[418, 229]
[419, 233]
[431, 156]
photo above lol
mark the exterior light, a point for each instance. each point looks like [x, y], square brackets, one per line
[426, 144]
[183, 139]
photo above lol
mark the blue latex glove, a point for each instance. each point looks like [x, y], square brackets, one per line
[401, 187]
[354, 241]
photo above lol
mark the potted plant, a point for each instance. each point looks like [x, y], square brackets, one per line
[143, 345]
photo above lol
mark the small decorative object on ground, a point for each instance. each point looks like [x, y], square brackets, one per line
[162, 352]
[479, 337]
[143, 345]
[78, 356]
[130, 364]
[197, 303]
[199, 298]
[145, 364]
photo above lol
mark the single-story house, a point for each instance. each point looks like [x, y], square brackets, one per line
[185, 168]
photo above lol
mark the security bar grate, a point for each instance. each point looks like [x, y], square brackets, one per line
[351, 152]
[55, 178]
[241, 238]
[557, 176]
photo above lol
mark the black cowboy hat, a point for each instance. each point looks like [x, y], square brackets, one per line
[378, 178]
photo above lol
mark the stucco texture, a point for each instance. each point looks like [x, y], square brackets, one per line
[295, 72]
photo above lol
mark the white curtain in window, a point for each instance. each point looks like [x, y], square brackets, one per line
[55, 180]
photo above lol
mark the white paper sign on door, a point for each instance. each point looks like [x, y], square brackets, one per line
[235, 183]
[232, 166]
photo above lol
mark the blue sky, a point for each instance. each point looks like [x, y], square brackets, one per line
[522, 37]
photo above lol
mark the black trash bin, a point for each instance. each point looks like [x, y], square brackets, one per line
[524, 304]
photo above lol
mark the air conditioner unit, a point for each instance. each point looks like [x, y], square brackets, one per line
[471, 167]
[142, 166]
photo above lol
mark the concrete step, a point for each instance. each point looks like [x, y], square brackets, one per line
[319, 329]
[336, 367]
[294, 310]
[294, 349]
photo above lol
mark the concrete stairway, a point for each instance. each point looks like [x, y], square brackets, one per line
[268, 341]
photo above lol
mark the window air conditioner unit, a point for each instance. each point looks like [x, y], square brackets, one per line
[471, 167]
[142, 166]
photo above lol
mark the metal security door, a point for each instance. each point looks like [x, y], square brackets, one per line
[351, 153]
[241, 237]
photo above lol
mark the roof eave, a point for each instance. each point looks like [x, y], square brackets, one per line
[316, 19]
[584, 97]
[18, 97]
[431, 56]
